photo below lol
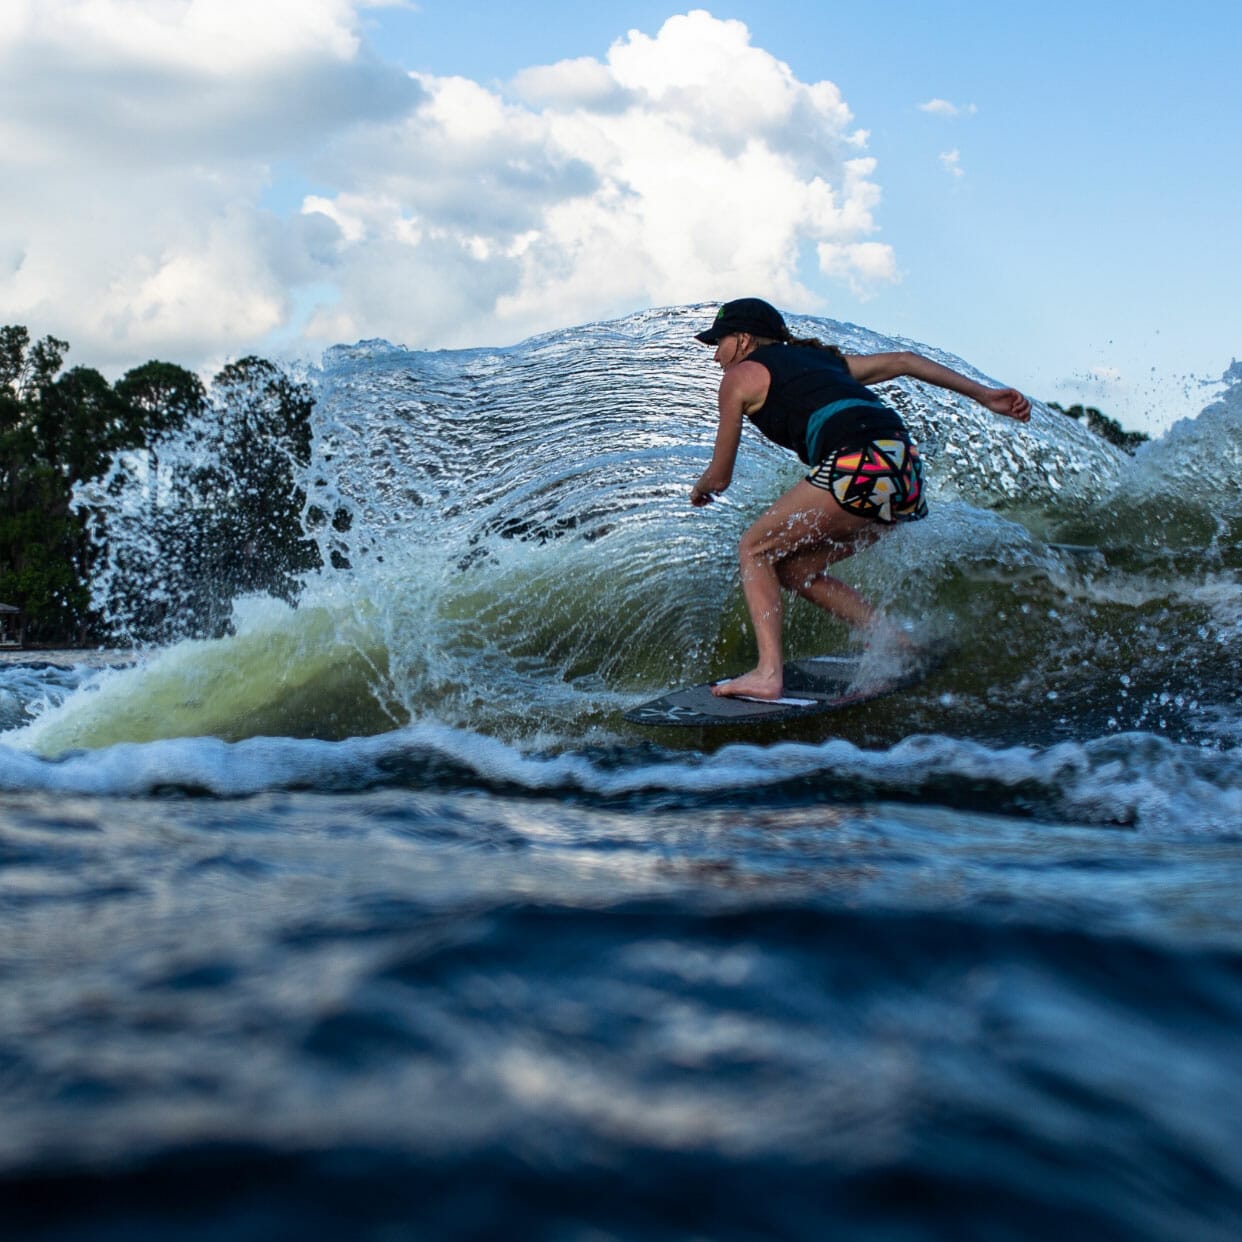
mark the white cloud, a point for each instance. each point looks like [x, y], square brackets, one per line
[952, 161]
[942, 107]
[136, 82]
[863, 265]
[580, 83]
[139, 138]
[685, 165]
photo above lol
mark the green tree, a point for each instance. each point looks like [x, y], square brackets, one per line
[161, 399]
[142, 543]
[221, 506]
[43, 433]
[190, 500]
[1107, 428]
[264, 418]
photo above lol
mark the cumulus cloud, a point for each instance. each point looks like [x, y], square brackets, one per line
[942, 107]
[137, 141]
[862, 265]
[685, 165]
[580, 83]
[140, 138]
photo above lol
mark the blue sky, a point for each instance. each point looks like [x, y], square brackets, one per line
[1050, 192]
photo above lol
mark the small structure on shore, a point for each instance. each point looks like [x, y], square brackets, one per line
[12, 626]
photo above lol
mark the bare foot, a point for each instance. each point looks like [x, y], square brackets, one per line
[753, 685]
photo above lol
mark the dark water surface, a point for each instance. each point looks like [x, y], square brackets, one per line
[482, 1013]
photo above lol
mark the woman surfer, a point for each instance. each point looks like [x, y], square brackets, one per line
[865, 477]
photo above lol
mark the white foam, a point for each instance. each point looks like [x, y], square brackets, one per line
[1133, 779]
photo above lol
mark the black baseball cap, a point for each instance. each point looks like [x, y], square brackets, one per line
[752, 315]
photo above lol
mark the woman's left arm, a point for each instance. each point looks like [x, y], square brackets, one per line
[876, 368]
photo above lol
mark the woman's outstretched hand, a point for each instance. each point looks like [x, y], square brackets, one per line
[1009, 402]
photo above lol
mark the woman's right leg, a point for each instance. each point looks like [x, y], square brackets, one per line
[805, 522]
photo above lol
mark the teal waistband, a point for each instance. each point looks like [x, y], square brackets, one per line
[819, 420]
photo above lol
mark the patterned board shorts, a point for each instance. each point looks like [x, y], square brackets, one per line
[882, 480]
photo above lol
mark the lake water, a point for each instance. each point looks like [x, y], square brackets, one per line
[375, 920]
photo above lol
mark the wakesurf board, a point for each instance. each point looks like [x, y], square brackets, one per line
[813, 685]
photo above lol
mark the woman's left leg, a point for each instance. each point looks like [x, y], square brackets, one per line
[801, 533]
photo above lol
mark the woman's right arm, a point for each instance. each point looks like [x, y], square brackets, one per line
[719, 472]
[742, 389]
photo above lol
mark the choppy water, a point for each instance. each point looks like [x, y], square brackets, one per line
[375, 920]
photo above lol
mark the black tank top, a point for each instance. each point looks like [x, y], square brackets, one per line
[815, 406]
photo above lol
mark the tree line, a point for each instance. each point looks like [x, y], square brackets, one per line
[208, 525]
[1108, 428]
